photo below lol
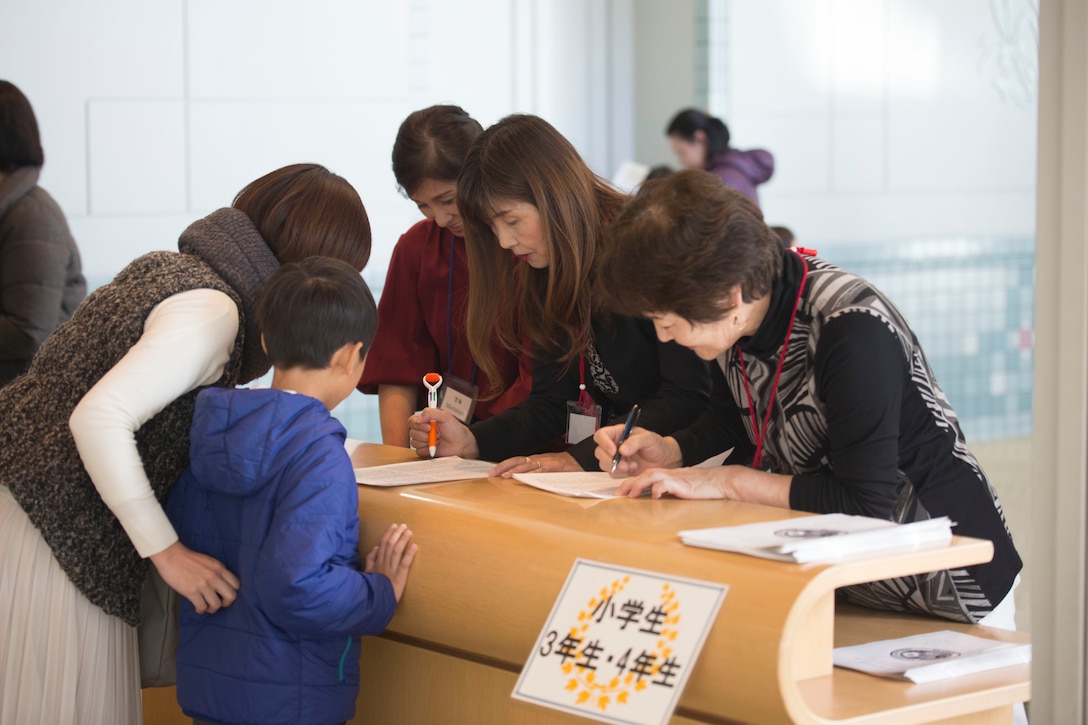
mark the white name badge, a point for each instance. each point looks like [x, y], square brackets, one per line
[620, 643]
[582, 422]
[459, 399]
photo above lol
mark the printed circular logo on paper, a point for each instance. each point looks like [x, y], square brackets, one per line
[799, 533]
[916, 654]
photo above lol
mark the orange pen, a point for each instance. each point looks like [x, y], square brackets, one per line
[432, 381]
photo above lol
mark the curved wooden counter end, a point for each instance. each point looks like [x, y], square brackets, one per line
[494, 555]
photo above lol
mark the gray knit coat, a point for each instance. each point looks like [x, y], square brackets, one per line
[38, 458]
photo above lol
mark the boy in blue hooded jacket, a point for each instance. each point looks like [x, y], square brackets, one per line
[271, 493]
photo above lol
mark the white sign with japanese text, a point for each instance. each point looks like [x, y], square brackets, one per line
[619, 643]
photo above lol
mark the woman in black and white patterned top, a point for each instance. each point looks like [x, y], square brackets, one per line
[821, 387]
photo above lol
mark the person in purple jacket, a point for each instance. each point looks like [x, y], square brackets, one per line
[701, 141]
[271, 493]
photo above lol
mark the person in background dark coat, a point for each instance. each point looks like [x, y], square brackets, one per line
[41, 276]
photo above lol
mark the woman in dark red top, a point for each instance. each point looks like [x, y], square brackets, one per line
[421, 314]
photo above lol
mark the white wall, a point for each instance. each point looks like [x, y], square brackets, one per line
[889, 119]
[896, 119]
[664, 73]
[154, 114]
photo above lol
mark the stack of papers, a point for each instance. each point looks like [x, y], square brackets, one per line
[828, 537]
[931, 656]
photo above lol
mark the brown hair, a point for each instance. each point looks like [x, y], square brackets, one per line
[431, 144]
[523, 158]
[305, 210]
[682, 245]
[310, 309]
[20, 144]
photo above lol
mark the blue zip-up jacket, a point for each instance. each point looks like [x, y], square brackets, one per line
[271, 493]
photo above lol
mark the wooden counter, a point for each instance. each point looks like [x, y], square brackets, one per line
[495, 553]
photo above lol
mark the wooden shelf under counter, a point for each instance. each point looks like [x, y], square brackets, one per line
[494, 555]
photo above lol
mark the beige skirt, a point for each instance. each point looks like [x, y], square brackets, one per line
[62, 659]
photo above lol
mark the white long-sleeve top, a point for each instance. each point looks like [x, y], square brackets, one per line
[186, 343]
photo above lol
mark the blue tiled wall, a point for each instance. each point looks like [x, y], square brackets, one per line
[970, 302]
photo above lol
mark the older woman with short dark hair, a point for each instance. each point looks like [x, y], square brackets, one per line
[822, 389]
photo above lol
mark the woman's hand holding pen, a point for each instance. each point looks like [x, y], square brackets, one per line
[540, 463]
[453, 437]
[642, 450]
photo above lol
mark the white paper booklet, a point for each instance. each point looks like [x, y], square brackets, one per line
[932, 656]
[430, 470]
[826, 537]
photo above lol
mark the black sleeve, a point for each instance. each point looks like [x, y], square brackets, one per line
[719, 428]
[535, 422]
[670, 400]
[861, 374]
[669, 383]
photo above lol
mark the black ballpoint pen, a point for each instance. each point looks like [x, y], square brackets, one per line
[632, 417]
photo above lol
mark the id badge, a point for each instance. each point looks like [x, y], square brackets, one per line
[582, 422]
[458, 398]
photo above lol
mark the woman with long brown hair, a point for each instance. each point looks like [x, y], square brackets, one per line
[534, 217]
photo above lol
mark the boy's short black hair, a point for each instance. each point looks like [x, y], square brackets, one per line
[311, 308]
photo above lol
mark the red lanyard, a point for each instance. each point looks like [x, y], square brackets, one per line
[585, 401]
[757, 431]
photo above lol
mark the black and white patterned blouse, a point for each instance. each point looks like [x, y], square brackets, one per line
[863, 427]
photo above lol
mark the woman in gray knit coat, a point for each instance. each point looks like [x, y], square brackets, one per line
[96, 433]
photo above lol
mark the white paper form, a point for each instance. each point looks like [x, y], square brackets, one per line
[592, 484]
[584, 484]
[432, 470]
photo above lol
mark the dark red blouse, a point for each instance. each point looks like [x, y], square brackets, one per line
[421, 323]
